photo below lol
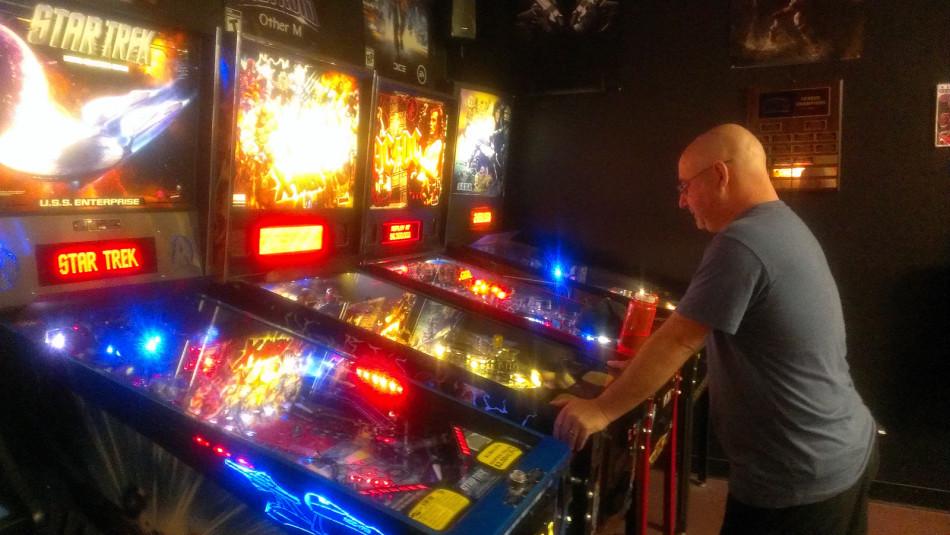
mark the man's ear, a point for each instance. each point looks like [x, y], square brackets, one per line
[723, 173]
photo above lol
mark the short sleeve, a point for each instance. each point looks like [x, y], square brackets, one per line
[729, 278]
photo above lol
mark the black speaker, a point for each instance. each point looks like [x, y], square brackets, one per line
[463, 19]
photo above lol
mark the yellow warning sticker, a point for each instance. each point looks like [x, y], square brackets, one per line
[499, 455]
[439, 508]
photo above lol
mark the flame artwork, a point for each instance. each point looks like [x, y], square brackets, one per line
[78, 100]
[297, 126]
[257, 386]
[408, 151]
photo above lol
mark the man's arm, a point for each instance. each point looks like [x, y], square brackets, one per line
[661, 355]
[658, 359]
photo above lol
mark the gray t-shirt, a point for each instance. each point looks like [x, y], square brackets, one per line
[782, 401]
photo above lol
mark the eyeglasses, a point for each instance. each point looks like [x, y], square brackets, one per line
[683, 186]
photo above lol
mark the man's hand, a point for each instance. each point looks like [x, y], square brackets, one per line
[578, 420]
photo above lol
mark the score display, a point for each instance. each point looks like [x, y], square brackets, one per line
[64, 263]
[482, 218]
[296, 239]
[401, 232]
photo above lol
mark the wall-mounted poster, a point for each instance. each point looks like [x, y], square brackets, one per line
[408, 151]
[397, 38]
[482, 143]
[568, 46]
[942, 119]
[296, 137]
[784, 32]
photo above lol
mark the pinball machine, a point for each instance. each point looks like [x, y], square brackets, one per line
[501, 252]
[588, 321]
[322, 439]
[545, 296]
[149, 406]
[498, 368]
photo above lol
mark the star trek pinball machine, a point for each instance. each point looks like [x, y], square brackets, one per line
[147, 405]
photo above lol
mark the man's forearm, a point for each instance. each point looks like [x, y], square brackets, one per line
[653, 365]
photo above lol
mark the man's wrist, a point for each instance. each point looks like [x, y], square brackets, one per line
[602, 407]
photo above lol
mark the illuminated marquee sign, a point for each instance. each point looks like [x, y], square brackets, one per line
[64, 263]
[290, 240]
[86, 34]
[482, 217]
[401, 232]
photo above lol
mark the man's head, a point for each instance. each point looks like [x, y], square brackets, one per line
[722, 173]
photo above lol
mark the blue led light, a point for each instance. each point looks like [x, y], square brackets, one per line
[318, 367]
[9, 269]
[109, 349]
[211, 334]
[314, 514]
[151, 343]
[557, 272]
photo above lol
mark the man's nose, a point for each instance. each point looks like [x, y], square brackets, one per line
[682, 201]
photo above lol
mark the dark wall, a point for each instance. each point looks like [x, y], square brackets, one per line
[598, 172]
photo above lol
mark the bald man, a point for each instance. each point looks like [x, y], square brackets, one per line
[763, 302]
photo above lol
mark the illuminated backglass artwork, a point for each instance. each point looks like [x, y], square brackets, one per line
[408, 151]
[95, 112]
[481, 144]
[297, 129]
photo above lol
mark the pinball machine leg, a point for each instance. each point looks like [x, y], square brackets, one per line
[636, 520]
[670, 486]
[685, 453]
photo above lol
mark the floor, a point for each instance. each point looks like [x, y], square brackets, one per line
[707, 503]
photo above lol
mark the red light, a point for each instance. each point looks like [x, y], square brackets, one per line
[201, 441]
[401, 269]
[94, 260]
[461, 441]
[221, 451]
[393, 489]
[288, 239]
[401, 232]
[295, 239]
[244, 462]
[380, 381]
[465, 275]
[482, 217]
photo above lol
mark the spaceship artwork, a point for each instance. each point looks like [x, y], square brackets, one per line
[77, 100]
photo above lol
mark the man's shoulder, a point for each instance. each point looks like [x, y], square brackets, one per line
[764, 221]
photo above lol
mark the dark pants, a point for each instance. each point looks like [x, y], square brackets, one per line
[844, 514]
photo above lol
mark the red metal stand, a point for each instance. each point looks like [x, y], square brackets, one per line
[669, 490]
